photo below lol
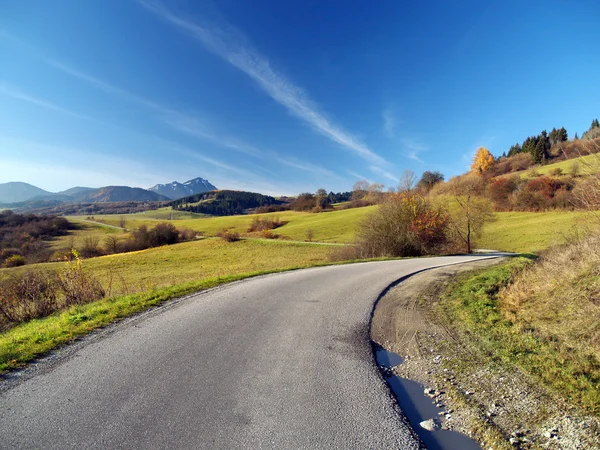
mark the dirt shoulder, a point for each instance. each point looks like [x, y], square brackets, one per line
[497, 404]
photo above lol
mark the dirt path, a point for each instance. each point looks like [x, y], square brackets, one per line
[499, 405]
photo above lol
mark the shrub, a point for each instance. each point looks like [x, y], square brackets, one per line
[501, 189]
[229, 235]
[575, 168]
[90, 247]
[78, 287]
[268, 234]
[14, 261]
[163, 233]
[345, 253]
[547, 186]
[259, 224]
[187, 234]
[32, 294]
[557, 172]
[27, 295]
[403, 225]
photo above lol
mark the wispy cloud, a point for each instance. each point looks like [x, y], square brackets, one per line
[107, 87]
[412, 148]
[198, 128]
[389, 123]
[20, 95]
[379, 171]
[231, 46]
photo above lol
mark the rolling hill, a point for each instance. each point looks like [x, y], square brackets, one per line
[16, 191]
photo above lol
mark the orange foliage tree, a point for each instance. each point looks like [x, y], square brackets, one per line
[483, 160]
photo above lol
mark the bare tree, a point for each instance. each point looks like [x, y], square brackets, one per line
[310, 234]
[111, 244]
[360, 189]
[407, 181]
[122, 222]
[469, 210]
[375, 193]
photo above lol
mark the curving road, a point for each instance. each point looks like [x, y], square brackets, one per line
[281, 361]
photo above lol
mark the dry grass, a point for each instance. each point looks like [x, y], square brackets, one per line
[559, 297]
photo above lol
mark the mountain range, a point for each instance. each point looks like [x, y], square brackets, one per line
[16, 191]
[177, 190]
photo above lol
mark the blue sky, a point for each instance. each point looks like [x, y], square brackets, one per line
[283, 97]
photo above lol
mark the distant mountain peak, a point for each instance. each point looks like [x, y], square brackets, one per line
[175, 189]
[17, 191]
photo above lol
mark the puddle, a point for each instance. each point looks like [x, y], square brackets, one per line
[418, 407]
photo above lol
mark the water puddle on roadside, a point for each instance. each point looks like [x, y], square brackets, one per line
[418, 407]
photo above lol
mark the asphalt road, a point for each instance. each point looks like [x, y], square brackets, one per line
[281, 361]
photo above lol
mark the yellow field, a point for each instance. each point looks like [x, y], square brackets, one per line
[194, 261]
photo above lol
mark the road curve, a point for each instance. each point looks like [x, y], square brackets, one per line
[281, 361]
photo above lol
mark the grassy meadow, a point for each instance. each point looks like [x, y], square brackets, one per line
[584, 165]
[525, 232]
[530, 232]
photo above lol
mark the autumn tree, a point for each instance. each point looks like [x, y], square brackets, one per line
[468, 208]
[402, 225]
[483, 160]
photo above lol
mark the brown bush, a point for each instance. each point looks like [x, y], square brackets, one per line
[90, 247]
[77, 286]
[501, 189]
[14, 261]
[28, 295]
[259, 224]
[268, 234]
[403, 225]
[345, 253]
[229, 235]
[360, 203]
[187, 234]
[32, 294]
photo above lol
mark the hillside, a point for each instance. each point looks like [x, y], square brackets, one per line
[175, 190]
[224, 203]
[16, 191]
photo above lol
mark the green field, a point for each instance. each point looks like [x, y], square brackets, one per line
[530, 232]
[334, 226]
[512, 231]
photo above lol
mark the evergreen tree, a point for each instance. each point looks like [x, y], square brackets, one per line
[515, 149]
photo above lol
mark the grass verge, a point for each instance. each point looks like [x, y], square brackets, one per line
[472, 304]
